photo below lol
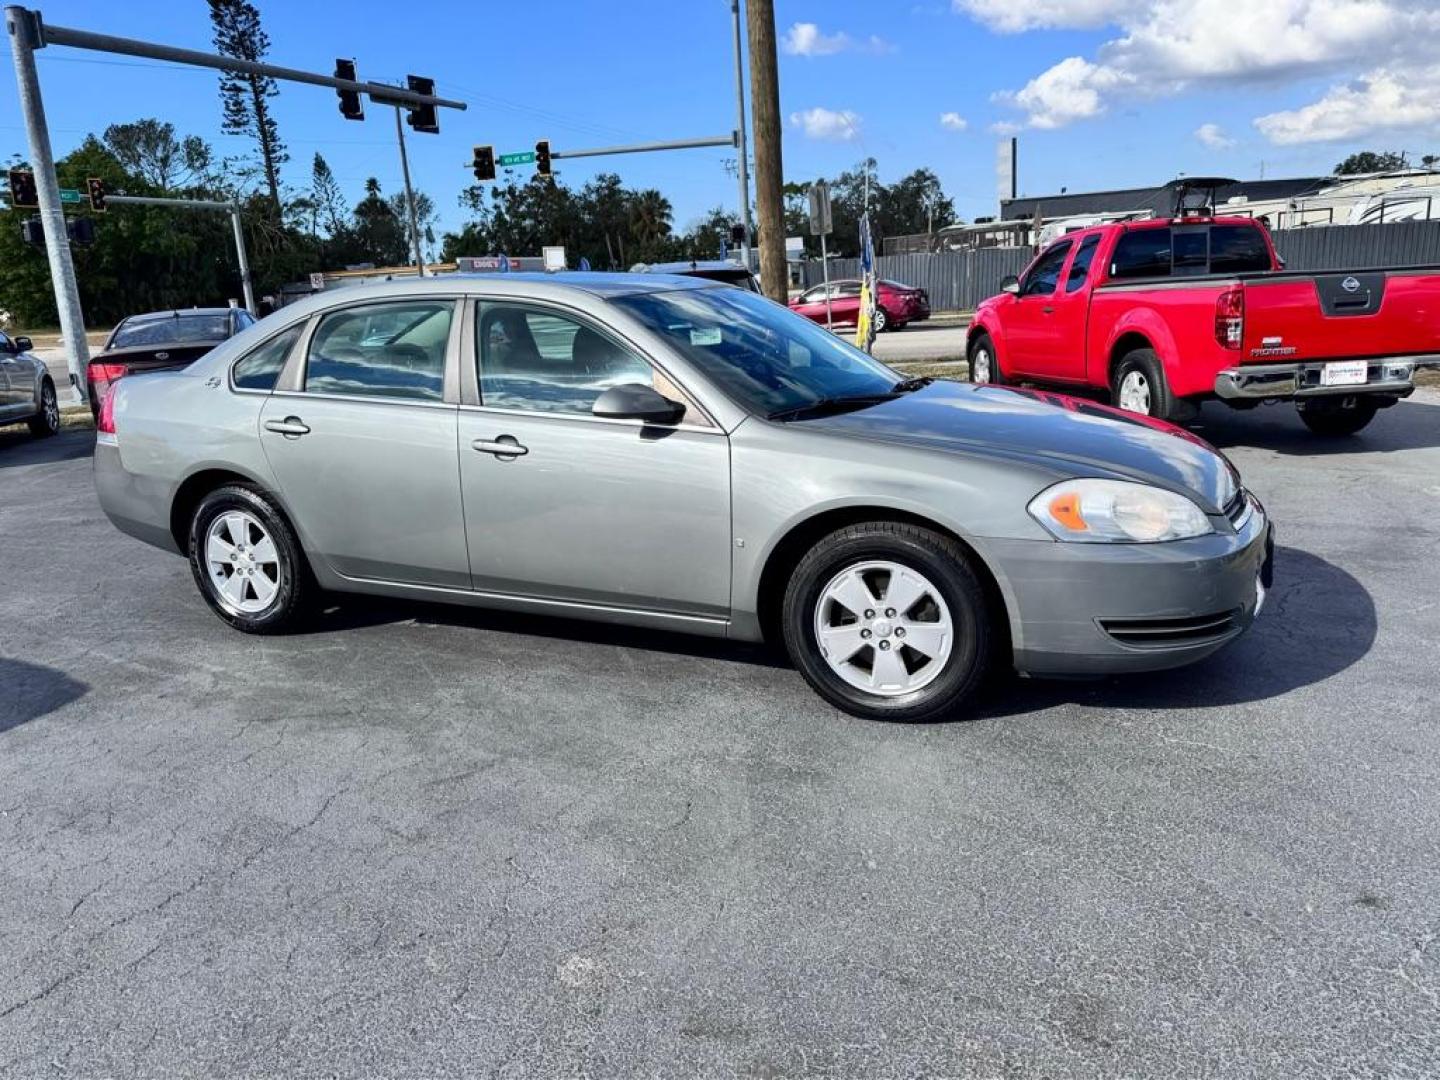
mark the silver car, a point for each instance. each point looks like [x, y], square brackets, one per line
[27, 393]
[668, 452]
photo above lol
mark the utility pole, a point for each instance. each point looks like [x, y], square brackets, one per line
[409, 195]
[769, 170]
[25, 38]
[744, 166]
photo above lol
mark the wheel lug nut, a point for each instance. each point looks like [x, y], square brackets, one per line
[869, 613]
[864, 633]
[889, 613]
[899, 631]
[884, 645]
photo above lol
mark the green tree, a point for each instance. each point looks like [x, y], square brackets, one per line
[425, 217]
[150, 149]
[379, 233]
[650, 214]
[330, 206]
[245, 99]
[1371, 161]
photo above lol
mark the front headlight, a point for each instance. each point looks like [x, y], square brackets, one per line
[1115, 511]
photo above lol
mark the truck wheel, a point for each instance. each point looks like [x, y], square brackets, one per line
[1334, 420]
[1140, 387]
[984, 368]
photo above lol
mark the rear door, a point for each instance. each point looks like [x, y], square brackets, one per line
[845, 302]
[11, 400]
[1028, 321]
[362, 441]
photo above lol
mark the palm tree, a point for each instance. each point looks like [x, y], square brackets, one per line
[650, 214]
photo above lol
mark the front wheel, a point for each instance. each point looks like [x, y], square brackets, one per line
[984, 368]
[889, 621]
[247, 561]
[1336, 420]
[47, 421]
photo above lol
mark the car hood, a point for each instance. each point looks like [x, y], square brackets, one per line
[1069, 436]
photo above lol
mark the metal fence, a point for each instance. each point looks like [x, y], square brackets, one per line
[958, 280]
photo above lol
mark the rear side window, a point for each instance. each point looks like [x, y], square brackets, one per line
[1237, 249]
[1142, 253]
[1080, 267]
[394, 350]
[258, 369]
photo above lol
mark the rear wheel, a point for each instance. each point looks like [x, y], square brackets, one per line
[889, 621]
[47, 421]
[882, 321]
[984, 368]
[247, 561]
[1337, 419]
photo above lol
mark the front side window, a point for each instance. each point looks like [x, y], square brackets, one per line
[1080, 266]
[259, 368]
[1142, 253]
[394, 350]
[1044, 276]
[542, 361]
[764, 357]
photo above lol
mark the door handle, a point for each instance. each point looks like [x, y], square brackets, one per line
[292, 427]
[504, 447]
[1048, 310]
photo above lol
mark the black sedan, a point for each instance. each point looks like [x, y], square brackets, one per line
[159, 341]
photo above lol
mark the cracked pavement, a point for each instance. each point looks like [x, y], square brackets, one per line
[423, 841]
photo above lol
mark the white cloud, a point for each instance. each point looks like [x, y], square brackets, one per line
[1013, 16]
[1380, 100]
[807, 39]
[953, 121]
[1005, 127]
[821, 123]
[1169, 46]
[1213, 136]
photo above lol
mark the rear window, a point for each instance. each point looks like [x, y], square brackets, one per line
[172, 331]
[1142, 253]
[1238, 249]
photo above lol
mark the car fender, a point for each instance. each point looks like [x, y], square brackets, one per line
[987, 320]
[1137, 322]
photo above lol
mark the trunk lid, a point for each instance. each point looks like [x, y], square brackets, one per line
[1345, 315]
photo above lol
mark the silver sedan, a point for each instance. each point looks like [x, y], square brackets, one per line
[667, 452]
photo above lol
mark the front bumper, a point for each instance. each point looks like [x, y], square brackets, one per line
[1099, 609]
[1394, 375]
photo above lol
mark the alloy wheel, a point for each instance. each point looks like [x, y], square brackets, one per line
[980, 366]
[1135, 392]
[50, 407]
[884, 628]
[243, 562]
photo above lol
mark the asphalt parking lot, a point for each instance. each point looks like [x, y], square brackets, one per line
[422, 841]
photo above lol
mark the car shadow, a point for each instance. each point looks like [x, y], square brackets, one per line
[29, 691]
[18, 447]
[1409, 425]
[1318, 621]
[354, 611]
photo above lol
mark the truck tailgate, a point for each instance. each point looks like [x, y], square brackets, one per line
[1357, 314]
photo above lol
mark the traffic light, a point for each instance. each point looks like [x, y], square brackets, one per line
[33, 232]
[422, 117]
[484, 163]
[97, 194]
[81, 230]
[350, 105]
[22, 188]
[542, 157]
[737, 233]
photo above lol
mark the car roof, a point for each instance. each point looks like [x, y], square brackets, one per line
[689, 266]
[528, 283]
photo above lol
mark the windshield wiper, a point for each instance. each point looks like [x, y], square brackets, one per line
[905, 386]
[829, 405]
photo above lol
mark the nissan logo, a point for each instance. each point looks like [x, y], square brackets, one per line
[1350, 284]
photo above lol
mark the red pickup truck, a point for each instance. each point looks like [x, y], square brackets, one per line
[1167, 313]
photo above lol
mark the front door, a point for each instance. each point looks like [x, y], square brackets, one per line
[364, 451]
[13, 397]
[585, 509]
[1059, 354]
[1027, 319]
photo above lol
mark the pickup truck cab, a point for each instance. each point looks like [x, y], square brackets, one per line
[1167, 313]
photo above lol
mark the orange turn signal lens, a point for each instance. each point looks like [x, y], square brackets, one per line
[1065, 509]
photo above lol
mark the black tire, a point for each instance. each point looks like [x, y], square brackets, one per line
[1335, 421]
[292, 600]
[47, 421]
[981, 343]
[947, 566]
[1144, 365]
[882, 320]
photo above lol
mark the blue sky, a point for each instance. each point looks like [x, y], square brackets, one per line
[1102, 93]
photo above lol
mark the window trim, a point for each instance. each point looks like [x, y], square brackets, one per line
[292, 379]
[697, 417]
[1072, 286]
[284, 367]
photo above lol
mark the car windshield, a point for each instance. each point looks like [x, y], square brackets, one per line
[172, 330]
[766, 357]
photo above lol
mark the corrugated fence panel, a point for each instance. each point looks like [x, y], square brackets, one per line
[959, 280]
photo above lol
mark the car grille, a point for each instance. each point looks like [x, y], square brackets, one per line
[1170, 632]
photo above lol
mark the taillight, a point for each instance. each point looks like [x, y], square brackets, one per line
[1230, 318]
[105, 422]
[107, 372]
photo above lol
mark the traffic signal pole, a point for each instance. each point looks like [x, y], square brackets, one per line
[409, 195]
[24, 40]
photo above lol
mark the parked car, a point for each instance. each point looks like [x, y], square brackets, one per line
[27, 393]
[898, 304]
[1168, 313]
[666, 452]
[159, 341]
[731, 273]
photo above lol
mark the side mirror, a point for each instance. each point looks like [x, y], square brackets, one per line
[22, 344]
[1011, 284]
[636, 401]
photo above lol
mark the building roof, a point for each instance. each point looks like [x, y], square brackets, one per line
[1159, 200]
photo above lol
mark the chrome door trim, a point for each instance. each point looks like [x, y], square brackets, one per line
[372, 399]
